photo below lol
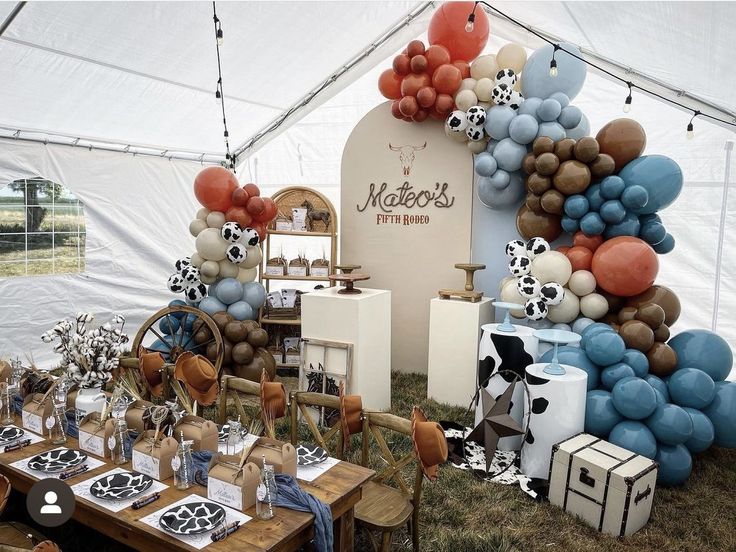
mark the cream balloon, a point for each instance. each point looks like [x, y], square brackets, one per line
[467, 84]
[511, 56]
[510, 294]
[228, 269]
[455, 136]
[551, 266]
[210, 245]
[477, 147]
[196, 226]
[216, 219]
[253, 258]
[505, 281]
[246, 275]
[594, 306]
[197, 260]
[565, 312]
[483, 89]
[202, 213]
[582, 282]
[486, 105]
[207, 279]
[465, 99]
[484, 66]
[210, 269]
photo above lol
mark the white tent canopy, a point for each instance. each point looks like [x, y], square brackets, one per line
[144, 74]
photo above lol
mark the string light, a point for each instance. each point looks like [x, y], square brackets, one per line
[471, 20]
[553, 63]
[220, 39]
[219, 93]
[690, 134]
[627, 103]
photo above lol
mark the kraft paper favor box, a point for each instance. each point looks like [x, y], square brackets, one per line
[608, 487]
[35, 413]
[282, 456]
[154, 458]
[203, 432]
[230, 485]
[95, 437]
[134, 415]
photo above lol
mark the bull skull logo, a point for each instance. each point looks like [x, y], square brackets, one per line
[406, 155]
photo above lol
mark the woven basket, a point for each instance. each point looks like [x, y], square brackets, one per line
[293, 199]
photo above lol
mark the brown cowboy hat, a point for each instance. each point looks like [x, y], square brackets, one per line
[351, 415]
[200, 377]
[429, 441]
[150, 365]
[273, 397]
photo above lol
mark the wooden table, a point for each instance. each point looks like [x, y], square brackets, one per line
[340, 487]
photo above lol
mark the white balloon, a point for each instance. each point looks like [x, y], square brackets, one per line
[582, 282]
[565, 312]
[209, 269]
[467, 84]
[505, 281]
[594, 306]
[483, 89]
[216, 219]
[210, 245]
[478, 146]
[486, 105]
[465, 99]
[510, 294]
[552, 266]
[484, 66]
[208, 279]
[196, 226]
[254, 257]
[228, 269]
[246, 275]
[202, 213]
[196, 260]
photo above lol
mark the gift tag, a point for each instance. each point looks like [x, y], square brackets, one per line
[175, 463]
[111, 442]
[50, 422]
[261, 492]
[224, 493]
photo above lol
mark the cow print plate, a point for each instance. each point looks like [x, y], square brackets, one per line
[120, 485]
[308, 455]
[56, 460]
[192, 518]
[8, 434]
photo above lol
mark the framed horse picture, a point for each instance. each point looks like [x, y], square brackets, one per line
[324, 365]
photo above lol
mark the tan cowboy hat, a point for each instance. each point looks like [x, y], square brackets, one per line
[150, 365]
[351, 415]
[273, 397]
[200, 377]
[429, 441]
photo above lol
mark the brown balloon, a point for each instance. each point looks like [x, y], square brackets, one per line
[202, 336]
[609, 318]
[626, 314]
[212, 351]
[616, 327]
[222, 319]
[528, 163]
[538, 184]
[662, 333]
[573, 177]
[251, 325]
[268, 361]
[662, 296]
[615, 303]
[258, 337]
[564, 149]
[637, 335]
[242, 353]
[602, 166]
[662, 359]
[623, 139]
[534, 202]
[543, 144]
[236, 331]
[586, 149]
[546, 164]
[531, 224]
[553, 202]
[251, 371]
[652, 315]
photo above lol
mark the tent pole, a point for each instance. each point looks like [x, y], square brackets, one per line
[11, 16]
[721, 233]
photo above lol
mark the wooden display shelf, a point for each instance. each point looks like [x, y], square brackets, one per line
[304, 278]
[286, 365]
[285, 321]
[300, 233]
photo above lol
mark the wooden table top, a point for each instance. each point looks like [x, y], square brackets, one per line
[339, 487]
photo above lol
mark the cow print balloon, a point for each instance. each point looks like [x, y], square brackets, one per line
[528, 286]
[231, 232]
[457, 121]
[181, 264]
[501, 94]
[516, 99]
[190, 274]
[474, 133]
[507, 77]
[552, 293]
[476, 115]
[236, 253]
[520, 266]
[250, 237]
[516, 248]
[537, 246]
[196, 292]
[176, 283]
[535, 309]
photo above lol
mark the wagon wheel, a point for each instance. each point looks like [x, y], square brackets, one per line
[163, 332]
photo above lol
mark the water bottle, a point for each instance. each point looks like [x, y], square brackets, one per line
[266, 492]
[183, 465]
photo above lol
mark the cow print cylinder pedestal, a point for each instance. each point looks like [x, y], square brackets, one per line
[512, 351]
[558, 412]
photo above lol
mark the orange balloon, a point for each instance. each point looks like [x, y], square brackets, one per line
[271, 209]
[255, 206]
[252, 189]
[395, 110]
[447, 28]
[622, 139]
[426, 96]
[418, 64]
[401, 64]
[446, 79]
[591, 242]
[444, 103]
[408, 106]
[464, 67]
[436, 55]
[420, 115]
[240, 197]
[436, 114]
[580, 257]
[563, 249]
[415, 48]
[413, 82]
[239, 215]
[214, 187]
[389, 84]
[531, 224]
[625, 266]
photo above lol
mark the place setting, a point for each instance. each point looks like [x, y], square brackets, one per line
[14, 438]
[61, 463]
[312, 461]
[119, 489]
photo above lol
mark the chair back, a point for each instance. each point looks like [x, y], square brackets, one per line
[231, 387]
[5, 489]
[304, 402]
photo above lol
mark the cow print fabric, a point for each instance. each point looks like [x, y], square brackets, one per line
[120, 485]
[56, 460]
[308, 455]
[193, 518]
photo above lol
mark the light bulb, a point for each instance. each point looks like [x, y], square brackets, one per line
[470, 24]
[690, 132]
[217, 95]
[627, 104]
[220, 38]
[553, 68]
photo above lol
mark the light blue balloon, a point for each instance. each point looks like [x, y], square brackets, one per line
[581, 323]
[509, 155]
[704, 350]
[552, 129]
[580, 131]
[703, 432]
[188, 322]
[498, 119]
[523, 129]
[164, 346]
[240, 310]
[660, 397]
[575, 356]
[653, 233]
[670, 424]
[605, 348]
[638, 362]
[592, 224]
[211, 305]
[647, 219]
[491, 145]
[658, 384]
[634, 436]
[634, 197]
[591, 330]
[570, 72]
[169, 325]
[485, 164]
[628, 227]
[665, 246]
[570, 117]
[507, 198]
[549, 110]
[722, 413]
[529, 107]
[595, 199]
[634, 398]
[254, 294]
[612, 187]
[177, 303]
[660, 176]
[570, 225]
[562, 326]
[500, 179]
[212, 289]
[611, 374]
[562, 98]
[576, 206]
[675, 465]
[691, 387]
[229, 290]
[600, 414]
[612, 211]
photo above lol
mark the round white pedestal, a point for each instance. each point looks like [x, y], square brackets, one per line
[558, 412]
[505, 351]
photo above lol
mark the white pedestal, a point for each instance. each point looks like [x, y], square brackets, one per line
[454, 333]
[512, 351]
[558, 412]
[364, 320]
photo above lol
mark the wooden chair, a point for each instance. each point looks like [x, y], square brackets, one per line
[300, 402]
[5, 489]
[231, 386]
[386, 508]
